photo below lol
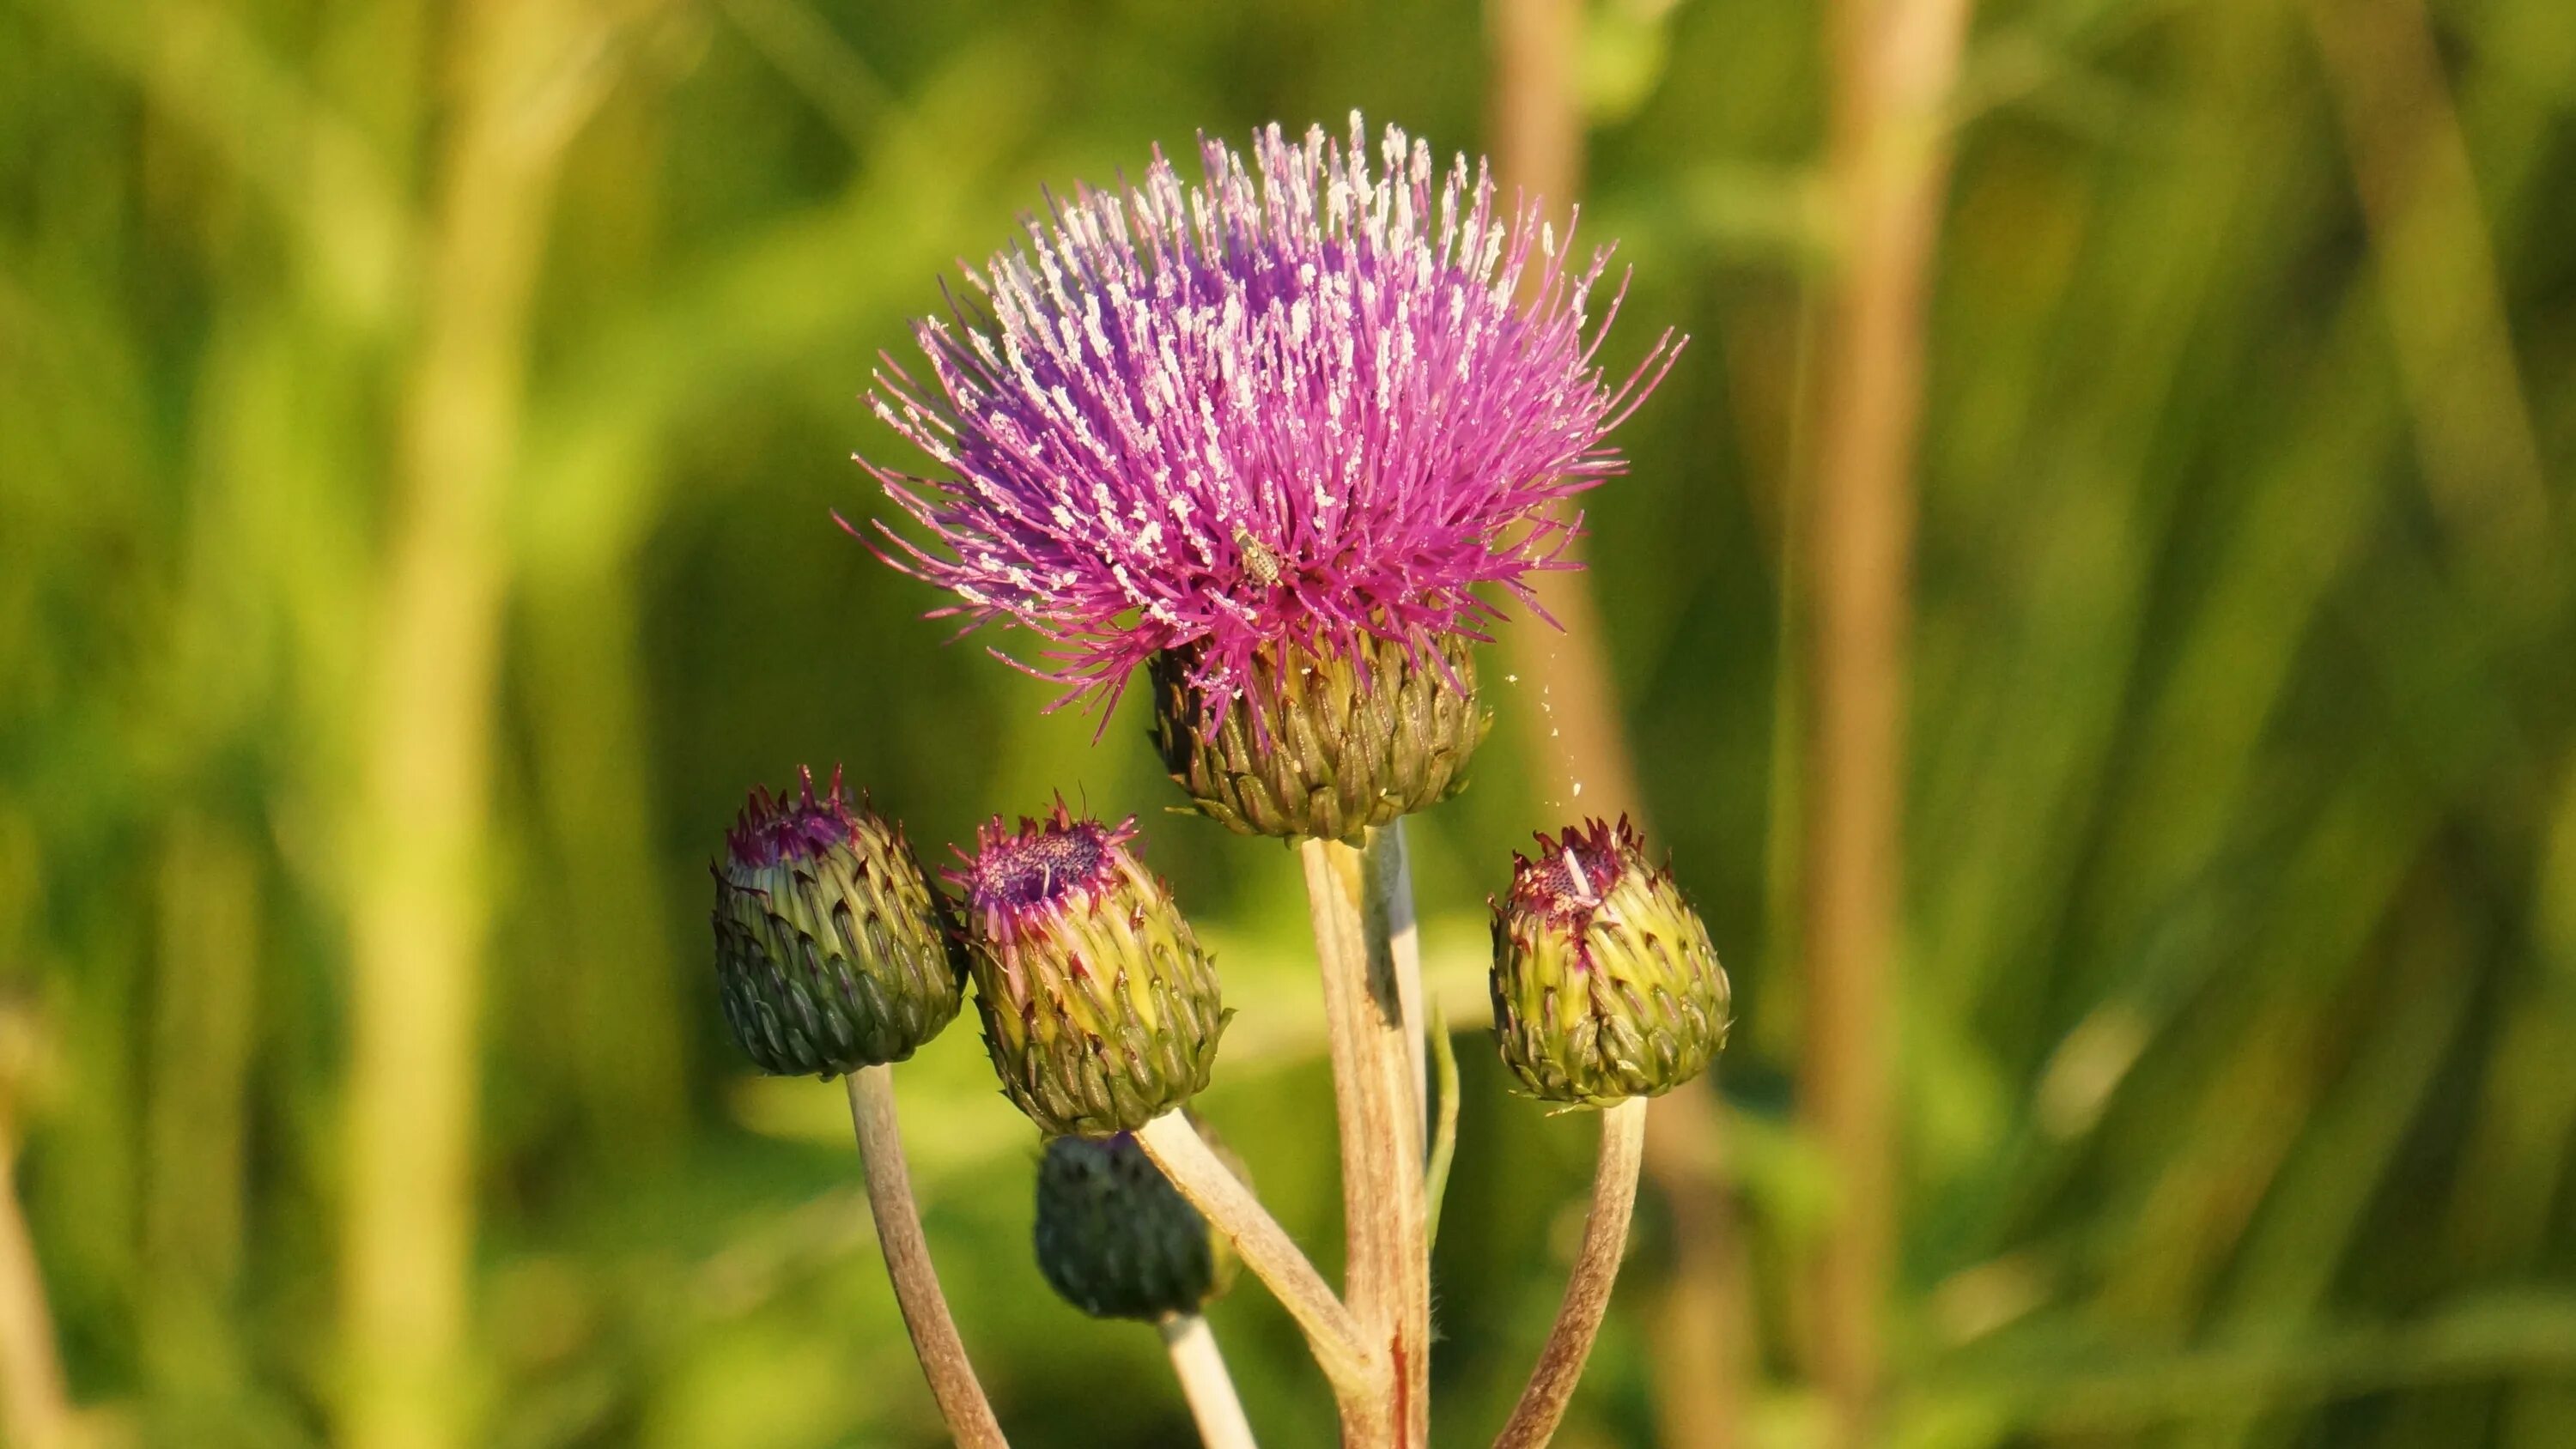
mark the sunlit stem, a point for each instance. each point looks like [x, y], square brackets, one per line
[1205, 1383]
[907, 1258]
[1587, 1292]
[1344, 1352]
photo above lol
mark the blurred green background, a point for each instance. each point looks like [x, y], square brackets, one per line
[419, 429]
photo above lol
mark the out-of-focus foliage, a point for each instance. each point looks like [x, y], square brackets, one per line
[2239, 1049]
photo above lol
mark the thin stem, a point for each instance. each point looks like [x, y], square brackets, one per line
[1388, 1268]
[907, 1258]
[1444, 1129]
[1332, 1332]
[1205, 1383]
[1587, 1292]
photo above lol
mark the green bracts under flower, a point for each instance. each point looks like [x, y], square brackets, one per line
[1117, 1240]
[1100, 1010]
[1605, 985]
[1313, 750]
[831, 950]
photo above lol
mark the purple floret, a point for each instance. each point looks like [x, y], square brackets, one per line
[1294, 403]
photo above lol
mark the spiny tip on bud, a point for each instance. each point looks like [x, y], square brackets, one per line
[1322, 745]
[1116, 1239]
[832, 951]
[1100, 1010]
[1605, 984]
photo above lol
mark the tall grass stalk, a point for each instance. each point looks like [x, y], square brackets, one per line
[1892, 66]
[419, 897]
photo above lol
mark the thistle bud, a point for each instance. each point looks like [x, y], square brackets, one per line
[1116, 1239]
[1605, 985]
[1100, 1011]
[1322, 745]
[832, 951]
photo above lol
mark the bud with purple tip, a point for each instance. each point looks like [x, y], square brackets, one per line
[1605, 984]
[1101, 1012]
[832, 951]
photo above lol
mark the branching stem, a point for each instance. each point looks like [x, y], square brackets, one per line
[1341, 1348]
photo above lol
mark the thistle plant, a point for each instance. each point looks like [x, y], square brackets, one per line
[1290, 441]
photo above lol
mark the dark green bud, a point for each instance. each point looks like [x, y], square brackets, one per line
[1117, 1240]
[832, 951]
[1605, 985]
[1322, 745]
[1100, 1010]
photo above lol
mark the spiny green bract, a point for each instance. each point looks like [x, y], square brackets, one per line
[1323, 746]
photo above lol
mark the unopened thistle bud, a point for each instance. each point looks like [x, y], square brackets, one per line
[1100, 1011]
[832, 953]
[1322, 744]
[1116, 1239]
[1605, 984]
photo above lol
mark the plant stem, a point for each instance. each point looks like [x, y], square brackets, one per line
[1341, 1348]
[907, 1258]
[1205, 1383]
[1388, 1266]
[1444, 1129]
[1587, 1292]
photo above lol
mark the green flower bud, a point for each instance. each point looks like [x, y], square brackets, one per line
[1322, 745]
[1100, 1011]
[832, 951]
[1605, 985]
[1117, 1240]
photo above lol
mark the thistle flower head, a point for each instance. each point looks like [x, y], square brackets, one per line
[1298, 403]
[832, 952]
[1100, 1010]
[1605, 985]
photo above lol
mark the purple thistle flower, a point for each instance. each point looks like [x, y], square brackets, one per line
[1293, 404]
